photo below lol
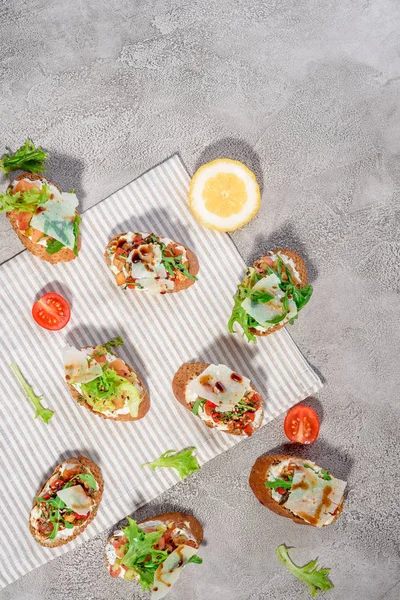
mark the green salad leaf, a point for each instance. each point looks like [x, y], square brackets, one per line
[182, 461]
[53, 246]
[279, 483]
[323, 473]
[55, 517]
[200, 402]
[141, 556]
[43, 413]
[195, 559]
[28, 201]
[27, 158]
[117, 341]
[103, 387]
[239, 315]
[316, 579]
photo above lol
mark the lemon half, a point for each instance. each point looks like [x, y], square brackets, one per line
[224, 194]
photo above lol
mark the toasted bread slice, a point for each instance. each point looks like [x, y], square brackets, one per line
[63, 255]
[183, 282]
[302, 271]
[258, 476]
[186, 373]
[180, 520]
[97, 496]
[144, 406]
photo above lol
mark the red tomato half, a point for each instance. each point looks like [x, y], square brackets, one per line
[302, 424]
[51, 311]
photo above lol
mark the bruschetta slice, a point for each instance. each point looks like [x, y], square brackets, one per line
[103, 383]
[67, 502]
[220, 397]
[147, 262]
[154, 552]
[271, 294]
[297, 489]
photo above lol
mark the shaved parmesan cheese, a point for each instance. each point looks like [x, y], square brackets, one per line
[56, 218]
[220, 385]
[263, 312]
[77, 368]
[314, 499]
[75, 498]
[168, 572]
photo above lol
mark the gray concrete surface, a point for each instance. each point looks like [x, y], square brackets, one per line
[307, 93]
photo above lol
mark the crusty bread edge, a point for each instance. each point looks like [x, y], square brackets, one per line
[302, 270]
[95, 470]
[179, 285]
[258, 476]
[63, 255]
[144, 405]
[184, 374]
[179, 518]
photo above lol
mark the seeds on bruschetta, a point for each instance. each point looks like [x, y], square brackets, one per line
[144, 261]
[220, 397]
[153, 552]
[103, 383]
[271, 294]
[67, 502]
[298, 489]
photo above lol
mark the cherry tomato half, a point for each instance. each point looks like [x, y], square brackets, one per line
[302, 424]
[209, 407]
[51, 311]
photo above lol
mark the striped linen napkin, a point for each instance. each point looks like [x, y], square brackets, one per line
[160, 334]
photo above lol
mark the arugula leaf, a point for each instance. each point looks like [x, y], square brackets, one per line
[53, 246]
[28, 201]
[302, 295]
[55, 516]
[182, 461]
[141, 556]
[77, 220]
[44, 413]
[195, 559]
[239, 315]
[27, 158]
[260, 296]
[323, 473]
[171, 262]
[90, 479]
[316, 579]
[199, 403]
[279, 483]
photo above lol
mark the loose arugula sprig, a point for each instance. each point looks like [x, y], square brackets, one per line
[44, 413]
[107, 346]
[27, 158]
[245, 290]
[141, 555]
[171, 262]
[316, 579]
[279, 483]
[28, 201]
[182, 461]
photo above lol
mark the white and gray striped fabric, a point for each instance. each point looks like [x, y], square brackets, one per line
[160, 334]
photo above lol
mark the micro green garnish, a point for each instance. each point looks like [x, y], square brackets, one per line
[107, 346]
[195, 559]
[245, 290]
[200, 402]
[171, 262]
[43, 413]
[316, 579]
[279, 483]
[141, 555]
[53, 246]
[27, 158]
[182, 461]
[27, 201]
[77, 220]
